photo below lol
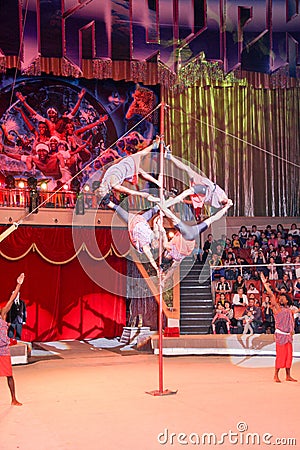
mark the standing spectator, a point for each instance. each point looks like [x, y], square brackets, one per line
[247, 320]
[289, 268]
[260, 261]
[206, 247]
[17, 318]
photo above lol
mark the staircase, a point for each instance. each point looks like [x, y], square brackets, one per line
[196, 305]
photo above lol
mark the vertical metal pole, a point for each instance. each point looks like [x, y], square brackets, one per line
[161, 390]
[161, 196]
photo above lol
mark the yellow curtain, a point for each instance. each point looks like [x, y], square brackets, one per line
[245, 139]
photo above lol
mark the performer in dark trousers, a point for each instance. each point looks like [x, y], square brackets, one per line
[16, 317]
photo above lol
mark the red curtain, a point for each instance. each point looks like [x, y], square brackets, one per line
[63, 302]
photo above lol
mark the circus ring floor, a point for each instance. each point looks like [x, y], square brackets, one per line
[83, 395]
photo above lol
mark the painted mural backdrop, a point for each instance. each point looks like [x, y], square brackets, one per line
[58, 130]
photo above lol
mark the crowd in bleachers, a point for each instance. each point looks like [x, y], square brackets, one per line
[241, 304]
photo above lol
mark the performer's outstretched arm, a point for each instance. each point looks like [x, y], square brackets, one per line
[8, 305]
[189, 232]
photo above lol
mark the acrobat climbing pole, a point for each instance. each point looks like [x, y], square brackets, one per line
[160, 391]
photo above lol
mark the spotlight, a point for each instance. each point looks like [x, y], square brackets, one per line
[86, 188]
[21, 184]
[10, 182]
[171, 234]
[44, 186]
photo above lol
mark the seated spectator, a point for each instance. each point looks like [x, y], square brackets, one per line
[223, 287]
[235, 241]
[295, 252]
[230, 273]
[297, 267]
[296, 313]
[272, 267]
[273, 240]
[285, 285]
[239, 283]
[246, 270]
[217, 264]
[263, 240]
[247, 320]
[268, 231]
[283, 253]
[256, 311]
[294, 230]
[291, 240]
[289, 268]
[240, 298]
[280, 239]
[254, 250]
[260, 261]
[252, 289]
[250, 242]
[255, 232]
[281, 230]
[220, 320]
[243, 235]
[267, 315]
[297, 289]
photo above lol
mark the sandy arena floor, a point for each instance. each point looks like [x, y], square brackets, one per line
[95, 399]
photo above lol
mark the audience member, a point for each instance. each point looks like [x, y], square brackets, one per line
[267, 315]
[239, 283]
[285, 285]
[223, 287]
[220, 320]
[240, 299]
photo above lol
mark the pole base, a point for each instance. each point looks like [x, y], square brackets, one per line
[158, 393]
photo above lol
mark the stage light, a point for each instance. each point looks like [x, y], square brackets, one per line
[86, 188]
[66, 187]
[171, 234]
[10, 182]
[21, 184]
[44, 186]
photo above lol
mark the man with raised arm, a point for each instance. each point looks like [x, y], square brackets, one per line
[5, 359]
[284, 330]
